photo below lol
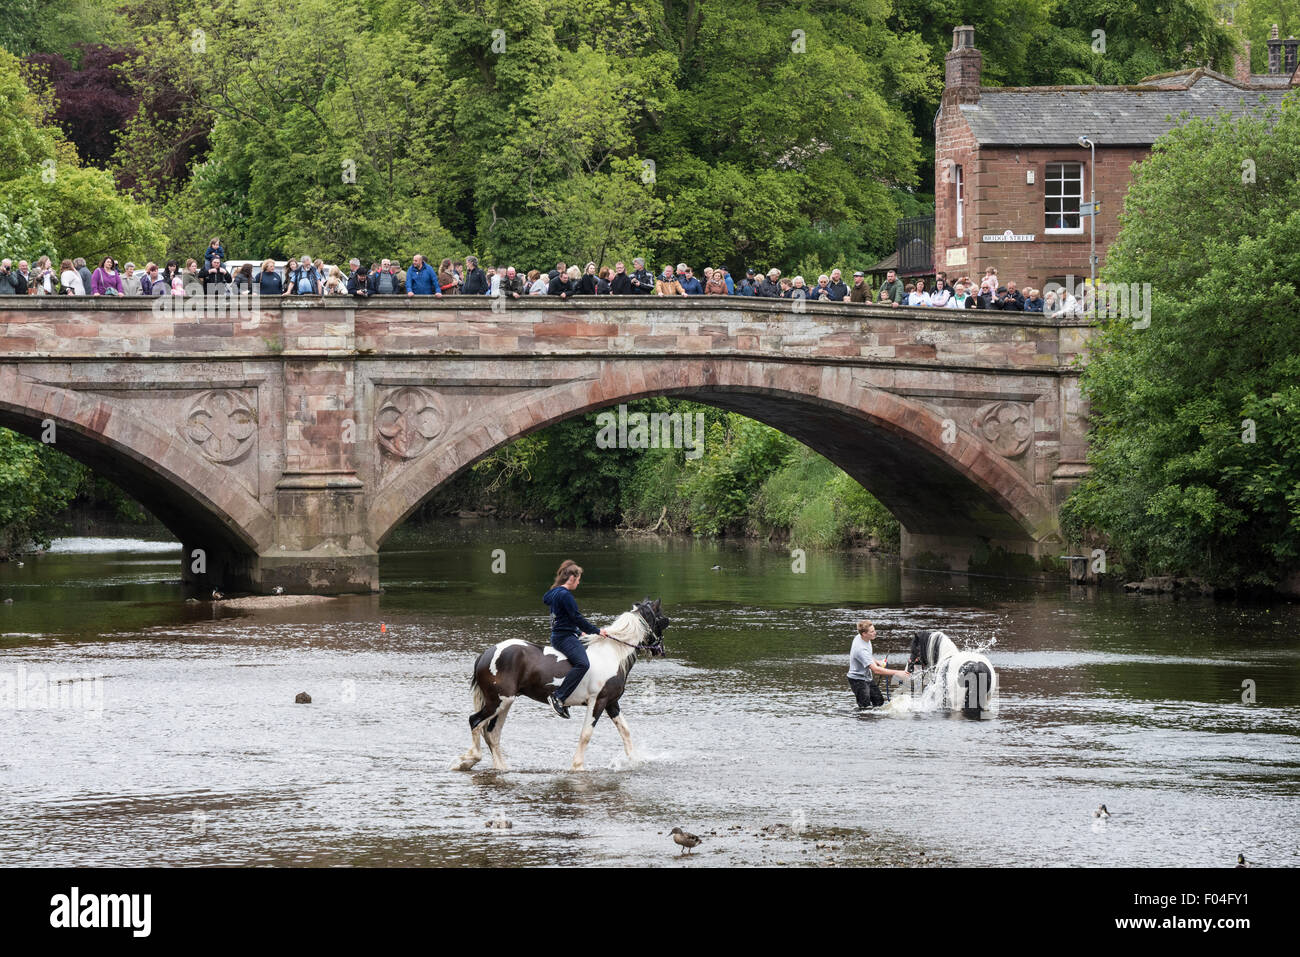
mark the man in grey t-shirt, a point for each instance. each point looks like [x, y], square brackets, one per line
[862, 667]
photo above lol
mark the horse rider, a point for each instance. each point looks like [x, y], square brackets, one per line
[567, 624]
[862, 666]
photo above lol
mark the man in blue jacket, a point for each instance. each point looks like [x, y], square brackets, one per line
[421, 280]
[567, 625]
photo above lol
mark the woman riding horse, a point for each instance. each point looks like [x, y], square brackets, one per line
[567, 624]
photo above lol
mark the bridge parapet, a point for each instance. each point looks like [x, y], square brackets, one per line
[463, 325]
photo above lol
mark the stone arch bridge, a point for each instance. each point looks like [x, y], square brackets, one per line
[287, 439]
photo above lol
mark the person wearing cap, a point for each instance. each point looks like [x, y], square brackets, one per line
[749, 285]
[861, 292]
[770, 287]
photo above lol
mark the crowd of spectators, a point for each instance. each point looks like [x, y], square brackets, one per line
[308, 276]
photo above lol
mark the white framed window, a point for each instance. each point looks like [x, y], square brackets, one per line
[961, 195]
[1062, 196]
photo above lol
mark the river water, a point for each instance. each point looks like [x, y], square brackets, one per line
[173, 737]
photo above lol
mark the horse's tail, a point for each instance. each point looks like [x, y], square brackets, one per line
[976, 688]
[480, 700]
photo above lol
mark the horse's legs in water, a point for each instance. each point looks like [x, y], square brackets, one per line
[593, 712]
[621, 724]
[613, 710]
[485, 705]
[493, 734]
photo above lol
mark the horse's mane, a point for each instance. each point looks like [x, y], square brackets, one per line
[628, 627]
[936, 649]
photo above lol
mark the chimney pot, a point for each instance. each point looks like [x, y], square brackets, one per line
[963, 64]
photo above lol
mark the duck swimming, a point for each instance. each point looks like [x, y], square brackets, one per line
[1101, 812]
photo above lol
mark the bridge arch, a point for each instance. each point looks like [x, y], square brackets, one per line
[192, 497]
[893, 445]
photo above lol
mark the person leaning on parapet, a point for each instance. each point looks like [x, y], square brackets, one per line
[511, 285]
[960, 298]
[667, 284]
[749, 285]
[861, 290]
[770, 288]
[894, 286]
[421, 280]
[386, 280]
[717, 284]
[821, 292]
[565, 285]
[918, 296]
[106, 280]
[686, 279]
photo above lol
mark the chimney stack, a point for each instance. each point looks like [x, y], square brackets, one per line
[1288, 55]
[962, 66]
[1274, 53]
[1241, 64]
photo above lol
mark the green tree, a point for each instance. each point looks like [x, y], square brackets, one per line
[48, 200]
[1193, 443]
[36, 483]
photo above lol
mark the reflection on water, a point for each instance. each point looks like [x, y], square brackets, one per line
[746, 733]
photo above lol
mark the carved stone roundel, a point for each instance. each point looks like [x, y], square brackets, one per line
[222, 424]
[408, 422]
[1007, 426]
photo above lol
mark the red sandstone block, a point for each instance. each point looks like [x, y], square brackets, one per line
[923, 351]
[189, 330]
[694, 343]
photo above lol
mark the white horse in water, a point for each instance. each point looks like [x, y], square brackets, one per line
[516, 667]
[966, 678]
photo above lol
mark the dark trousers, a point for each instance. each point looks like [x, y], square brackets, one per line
[571, 647]
[867, 692]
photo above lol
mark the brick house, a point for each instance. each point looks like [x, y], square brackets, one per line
[1010, 175]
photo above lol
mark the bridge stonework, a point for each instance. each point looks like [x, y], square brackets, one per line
[285, 440]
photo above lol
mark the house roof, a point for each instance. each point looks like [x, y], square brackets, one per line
[1112, 115]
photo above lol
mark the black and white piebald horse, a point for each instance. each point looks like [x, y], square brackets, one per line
[966, 679]
[516, 667]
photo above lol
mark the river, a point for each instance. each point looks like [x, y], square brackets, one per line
[185, 746]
